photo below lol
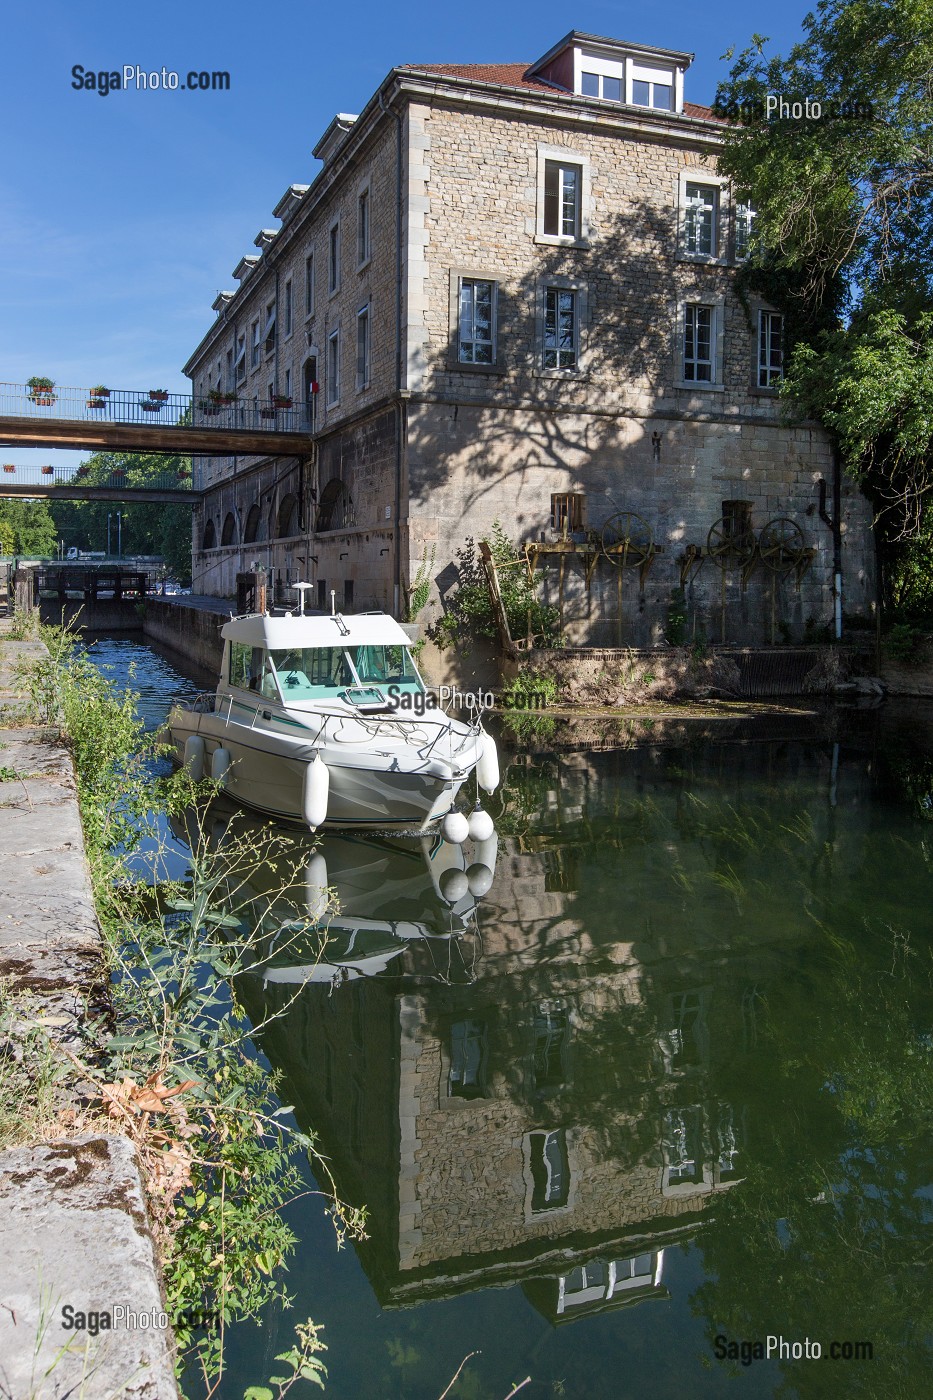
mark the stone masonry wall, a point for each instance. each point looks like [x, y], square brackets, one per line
[487, 443]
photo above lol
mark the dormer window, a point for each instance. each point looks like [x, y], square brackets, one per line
[652, 87]
[610, 70]
[603, 85]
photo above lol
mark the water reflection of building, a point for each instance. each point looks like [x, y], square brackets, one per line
[552, 1122]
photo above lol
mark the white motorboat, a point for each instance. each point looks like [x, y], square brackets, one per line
[325, 720]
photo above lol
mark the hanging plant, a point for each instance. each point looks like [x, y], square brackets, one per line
[40, 390]
[159, 395]
[9, 467]
[47, 471]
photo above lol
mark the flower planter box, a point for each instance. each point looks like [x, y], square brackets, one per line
[97, 403]
[148, 407]
[47, 471]
[9, 469]
[159, 395]
[43, 400]
[99, 391]
[280, 401]
[267, 413]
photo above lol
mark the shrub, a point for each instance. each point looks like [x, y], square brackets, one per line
[468, 609]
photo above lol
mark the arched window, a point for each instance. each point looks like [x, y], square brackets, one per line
[332, 512]
[288, 517]
[255, 528]
[210, 536]
[228, 533]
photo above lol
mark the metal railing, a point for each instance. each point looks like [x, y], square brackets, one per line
[92, 476]
[156, 407]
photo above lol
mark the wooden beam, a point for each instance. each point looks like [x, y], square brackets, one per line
[139, 437]
[128, 493]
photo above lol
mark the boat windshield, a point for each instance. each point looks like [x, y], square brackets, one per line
[315, 673]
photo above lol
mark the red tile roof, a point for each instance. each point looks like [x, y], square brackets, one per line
[506, 74]
[515, 75]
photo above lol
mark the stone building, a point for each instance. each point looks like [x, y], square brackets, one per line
[509, 293]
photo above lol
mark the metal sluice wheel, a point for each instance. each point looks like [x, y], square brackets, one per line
[781, 545]
[728, 547]
[627, 539]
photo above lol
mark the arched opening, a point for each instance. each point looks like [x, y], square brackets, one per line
[288, 517]
[255, 528]
[332, 511]
[210, 536]
[228, 533]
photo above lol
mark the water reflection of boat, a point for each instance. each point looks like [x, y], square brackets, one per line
[347, 906]
[325, 720]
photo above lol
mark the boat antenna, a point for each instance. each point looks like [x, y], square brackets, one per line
[301, 589]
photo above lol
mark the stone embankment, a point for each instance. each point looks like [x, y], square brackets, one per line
[73, 1225]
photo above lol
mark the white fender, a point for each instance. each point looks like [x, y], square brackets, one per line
[455, 828]
[487, 851]
[220, 762]
[481, 824]
[316, 793]
[316, 887]
[441, 856]
[194, 756]
[487, 769]
[479, 879]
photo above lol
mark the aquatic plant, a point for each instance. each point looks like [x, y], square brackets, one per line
[220, 1156]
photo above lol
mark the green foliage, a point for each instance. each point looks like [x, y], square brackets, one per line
[146, 528]
[906, 644]
[675, 633]
[28, 527]
[530, 690]
[844, 234]
[421, 588]
[220, 1159]
[468, 610]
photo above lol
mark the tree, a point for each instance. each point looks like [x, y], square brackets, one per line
[28, 527]
[833, 147]
[145, 528]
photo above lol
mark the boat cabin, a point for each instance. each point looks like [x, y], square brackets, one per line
[364, 661]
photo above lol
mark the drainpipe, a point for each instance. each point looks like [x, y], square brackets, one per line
[833, 523]
[399, 380]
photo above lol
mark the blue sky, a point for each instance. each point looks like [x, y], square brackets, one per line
[122, 216]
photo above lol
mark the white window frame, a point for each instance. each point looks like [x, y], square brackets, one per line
[563, 156]
[309, 284]
[364, 361]
[269, 333]
[716, 307]
[239, 366]
[654, 74]
[288, 314]
[472, 279]
[333, 367]
[772, 376]
[333, 258]
[743, 213]
[255, 359]
[561, 284]
[717, 184]
[363, 226]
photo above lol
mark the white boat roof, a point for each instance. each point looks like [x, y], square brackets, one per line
[279, 633]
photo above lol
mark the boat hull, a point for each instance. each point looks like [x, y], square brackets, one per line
[267, 773]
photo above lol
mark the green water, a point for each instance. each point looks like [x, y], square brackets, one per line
[668, 1080]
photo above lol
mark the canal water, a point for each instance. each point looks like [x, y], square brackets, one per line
[660, 1094]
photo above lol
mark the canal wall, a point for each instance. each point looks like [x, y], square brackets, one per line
[73, 1225]
[192, 630]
